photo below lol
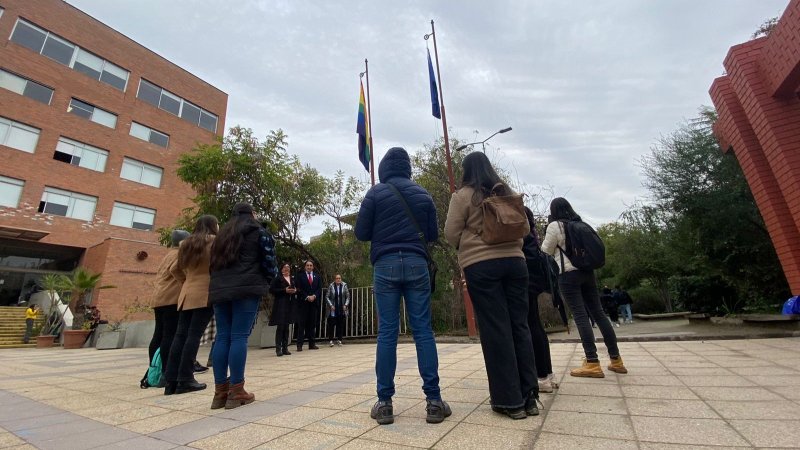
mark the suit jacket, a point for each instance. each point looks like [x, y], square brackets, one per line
[167, 288]
[305, 290]
[194, 292]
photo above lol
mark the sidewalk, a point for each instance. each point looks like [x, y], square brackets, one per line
[723, 393]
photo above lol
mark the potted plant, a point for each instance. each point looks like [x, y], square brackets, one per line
[54, 315]
[79, 286]
[113, 334]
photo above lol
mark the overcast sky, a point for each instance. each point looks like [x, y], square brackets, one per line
[588, 86]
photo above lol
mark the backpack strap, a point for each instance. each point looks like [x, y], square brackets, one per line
[561, 250]
[412, 218]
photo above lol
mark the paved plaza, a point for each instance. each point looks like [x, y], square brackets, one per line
[717, 394]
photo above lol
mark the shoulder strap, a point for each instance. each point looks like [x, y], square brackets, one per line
[411, 217]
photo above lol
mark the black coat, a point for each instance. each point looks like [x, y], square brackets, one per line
[284, 306]
[252, 272]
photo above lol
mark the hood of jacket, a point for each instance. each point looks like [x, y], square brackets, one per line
[395, 163]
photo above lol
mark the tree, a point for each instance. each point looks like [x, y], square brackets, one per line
[343, 196]
[765, 28]
[79, 285]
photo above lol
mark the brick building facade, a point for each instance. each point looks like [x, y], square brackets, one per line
[91, 127]
[758, 107]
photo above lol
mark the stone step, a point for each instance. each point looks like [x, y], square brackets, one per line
[20, 345]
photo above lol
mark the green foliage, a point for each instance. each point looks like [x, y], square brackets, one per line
[79, 286]
[647, 300]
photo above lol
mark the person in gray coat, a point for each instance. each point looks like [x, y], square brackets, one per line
[338, 299]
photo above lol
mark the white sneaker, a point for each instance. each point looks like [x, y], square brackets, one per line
[331, 344]
[545, 385]
[339, 343]
[616, 324]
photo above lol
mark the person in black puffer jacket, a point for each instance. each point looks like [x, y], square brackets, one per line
[398, 256]
[242, 267]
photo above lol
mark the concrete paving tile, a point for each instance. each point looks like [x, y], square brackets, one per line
[41, 421]
[775, 380]
[777, 409]
[579, 403]
[196, 430]
[60, 430]
[141, 443]
[470, 436]
[366, 444]
[666, 392]
[297, 417]
[335, 386]
[770, 370]
[588, 424]
[345, 423]
[736, 393]
[127, 415]
[302, 440]
[670, 408]
[483, 415]
[594, 389]
[650, 380]
[470, 383]
[769, 433]
[686, 431]
[245, 436]
[162, 422]
[255, 411]
[549, 441]
[662, 446]
[413, 432]
[452, 394]
[716, 380]
[789, 392]
[701, 371]
[299, 398]
[78, 402]
[9, 440]
[97, 438]
[340, 401]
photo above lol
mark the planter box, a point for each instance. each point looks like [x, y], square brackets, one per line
[107, 340]
[699, 318]
[73, 339]
[45, 341]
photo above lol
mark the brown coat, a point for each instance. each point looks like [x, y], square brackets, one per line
[463, 217]
[194, 292]
[167, 288]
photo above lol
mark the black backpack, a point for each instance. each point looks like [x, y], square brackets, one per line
[585, 249]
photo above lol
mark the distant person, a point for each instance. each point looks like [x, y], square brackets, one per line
[624, 300]
[194, 256]
[243, 266]
[497, 281]
[165, 302]
[338, 300]
[537, 285]
[309, 297]
[398, 256]
[609, 304]
[284, 308]
[579, 288]
[31, 313]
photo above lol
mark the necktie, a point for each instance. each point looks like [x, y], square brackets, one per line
[310, 279]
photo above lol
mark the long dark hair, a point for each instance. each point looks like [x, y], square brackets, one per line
[193, 247]
[225, 249]
[481, 176]
[560, 209]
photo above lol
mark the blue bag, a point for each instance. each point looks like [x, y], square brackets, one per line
[792, 306]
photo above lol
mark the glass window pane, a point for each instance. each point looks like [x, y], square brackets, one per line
[149, 93]
[131, 171]
[104, 118]
[170, 103]
[159, 138]
[65, 146]
[208, 121]
[82, 209]
[88, 64]
[28, 36]
[101, 162]
[190, 113]
[52, 196]
[38, 92]
[10, 191]
[80, 108]
[144, 216]
[55, 208]
[12, 82]
[140, 131]
[88, 159]
[113, 80]
[121, 216]
[4, 127]
[151, 176]
[58, 50]
[22, 139]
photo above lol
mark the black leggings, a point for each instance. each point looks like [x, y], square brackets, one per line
[164, 332]
[579, 289]
[541, 345]
[191, 325]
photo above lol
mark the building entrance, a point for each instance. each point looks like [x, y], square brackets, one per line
[23, 263]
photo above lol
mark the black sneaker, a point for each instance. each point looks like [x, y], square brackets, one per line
[437, 411]
[383, 412]
[516, 413]
[198, 368]
[531, 404]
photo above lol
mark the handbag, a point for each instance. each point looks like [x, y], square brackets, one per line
[432, 267]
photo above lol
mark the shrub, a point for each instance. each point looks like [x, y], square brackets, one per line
[646, 300]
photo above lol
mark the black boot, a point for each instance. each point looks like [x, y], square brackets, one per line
[169, 387]
[279, 351]
[189, 386]
[286, 351]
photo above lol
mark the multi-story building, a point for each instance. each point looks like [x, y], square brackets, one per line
[91, 128]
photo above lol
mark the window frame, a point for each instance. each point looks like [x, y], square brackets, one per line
[12, 182]
[150, 132]
[14, 124]
[73, 196]
[142, 166]
[83, 147]
[181, 102]
[91, 117]
[27, 80]
[135, 209]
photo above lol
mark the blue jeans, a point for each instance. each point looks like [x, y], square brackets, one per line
[404, 275]
[235, 321]
[626, 312]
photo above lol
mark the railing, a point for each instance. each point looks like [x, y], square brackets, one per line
[362, 320]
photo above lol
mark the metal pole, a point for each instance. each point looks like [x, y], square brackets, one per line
[444, 116]
[369, 127]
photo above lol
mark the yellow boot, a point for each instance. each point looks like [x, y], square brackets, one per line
[588, 370]
[617, 365]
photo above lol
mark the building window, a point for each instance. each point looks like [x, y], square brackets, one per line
[163, 99]
[10, 191]
[23, 86]
[150, 135]
[18, 136]
[69, 54]
[80, 154]
[68, 204]
[141, 173]
[131, 216]
[92, 113]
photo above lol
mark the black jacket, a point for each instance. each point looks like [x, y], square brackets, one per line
[251, 274]
[305, 290]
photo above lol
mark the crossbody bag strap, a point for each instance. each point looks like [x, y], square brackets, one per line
[412, 218]
[561, 250]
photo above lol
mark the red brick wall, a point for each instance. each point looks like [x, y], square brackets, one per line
[759, 119]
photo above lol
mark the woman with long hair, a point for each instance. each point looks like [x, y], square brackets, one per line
[193, 310]
[283, 292]
[497, 281]
[579, 289]
[242, 267]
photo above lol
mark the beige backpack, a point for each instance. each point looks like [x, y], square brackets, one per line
[504, 218]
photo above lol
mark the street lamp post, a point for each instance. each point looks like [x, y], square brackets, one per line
[483, 142]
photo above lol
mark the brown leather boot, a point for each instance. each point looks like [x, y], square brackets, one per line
[237, 396]
[588, 370]
[220, 395]
[617, 365]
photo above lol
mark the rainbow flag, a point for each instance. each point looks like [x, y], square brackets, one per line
[362, 128]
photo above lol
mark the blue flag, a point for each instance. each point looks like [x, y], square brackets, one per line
[435, 110]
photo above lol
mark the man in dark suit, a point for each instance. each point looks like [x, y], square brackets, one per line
[309, 293]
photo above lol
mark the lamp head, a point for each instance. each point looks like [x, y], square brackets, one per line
[505, 130]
